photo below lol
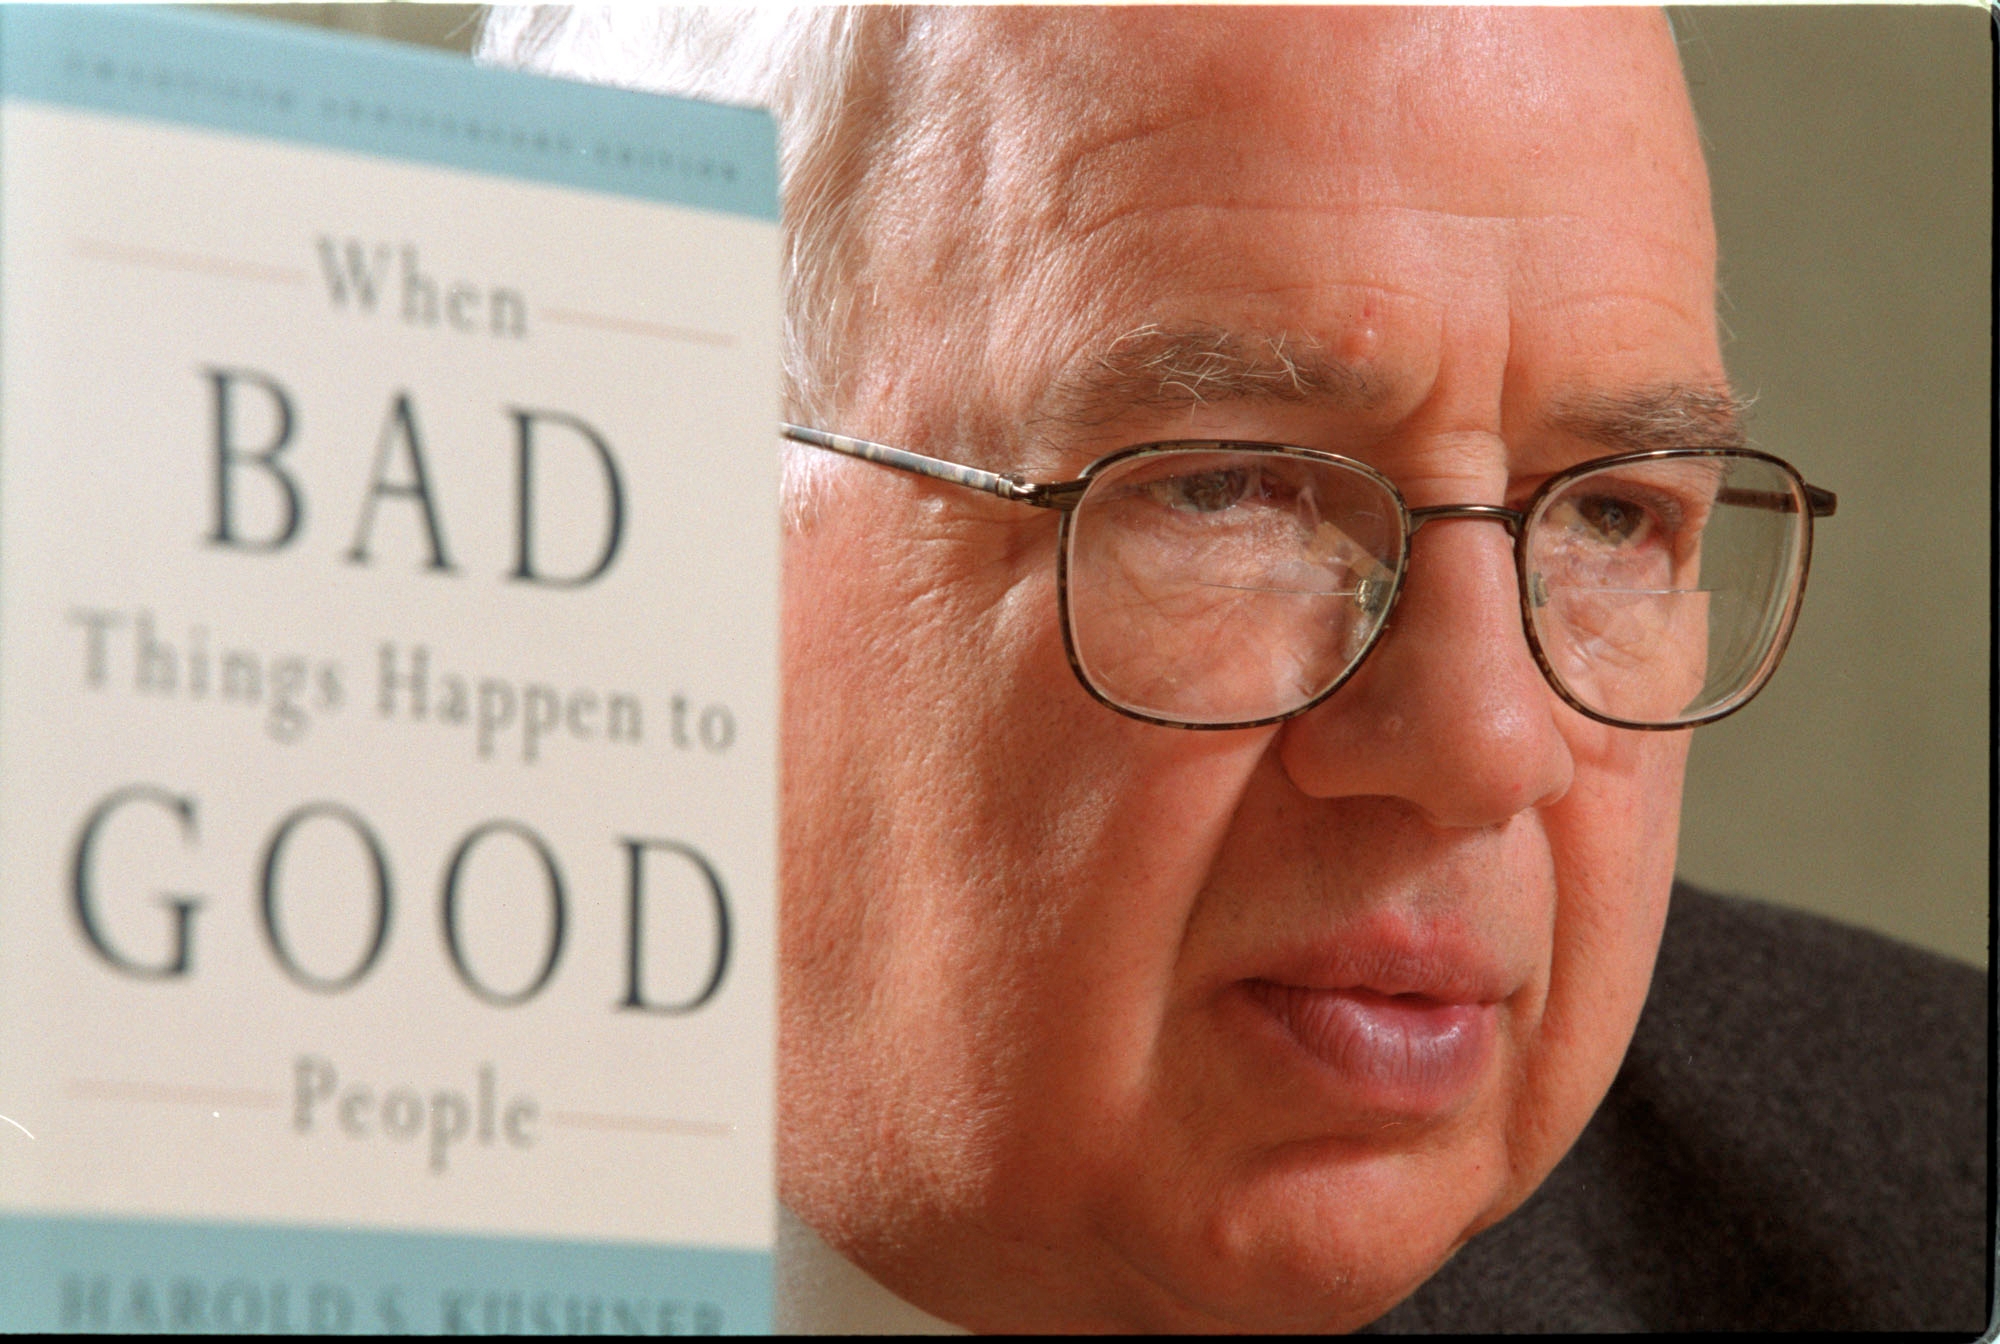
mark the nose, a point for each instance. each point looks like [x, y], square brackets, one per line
[1449, 711]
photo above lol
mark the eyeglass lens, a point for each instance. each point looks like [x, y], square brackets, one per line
[1232, 586]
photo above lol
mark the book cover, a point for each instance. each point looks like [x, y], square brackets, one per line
[388, 573]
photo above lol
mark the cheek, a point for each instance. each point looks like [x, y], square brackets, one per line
[1612, 839]
[958, 812]
[881, 638]
[1622, 814]
[879, 650]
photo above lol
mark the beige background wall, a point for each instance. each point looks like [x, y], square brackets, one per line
[1850, 149]
[1851, 153]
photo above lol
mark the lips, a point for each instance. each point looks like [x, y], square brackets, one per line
[1406, 1053]
[1390, 1034]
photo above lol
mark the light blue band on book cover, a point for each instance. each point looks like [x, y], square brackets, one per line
[282, 81]
[97, 1275]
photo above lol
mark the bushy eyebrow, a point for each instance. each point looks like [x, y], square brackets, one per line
[1658, 415]
[1153, 367]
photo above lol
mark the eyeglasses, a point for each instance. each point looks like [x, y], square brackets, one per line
[1208, 584]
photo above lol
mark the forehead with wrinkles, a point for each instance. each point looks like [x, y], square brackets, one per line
[1046, 114]
[1078, 158]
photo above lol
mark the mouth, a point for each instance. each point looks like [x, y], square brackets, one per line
[1388, 1055]
[1387, 1025]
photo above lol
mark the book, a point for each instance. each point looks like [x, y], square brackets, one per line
[388, 617]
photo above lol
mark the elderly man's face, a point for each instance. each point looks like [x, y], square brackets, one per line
[1088, 1022]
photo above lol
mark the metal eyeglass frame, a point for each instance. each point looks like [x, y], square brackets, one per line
[1064, 496]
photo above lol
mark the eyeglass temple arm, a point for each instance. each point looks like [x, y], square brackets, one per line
[1041, 494]
[1822, 503]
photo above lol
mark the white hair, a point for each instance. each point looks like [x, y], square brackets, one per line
[814, 68]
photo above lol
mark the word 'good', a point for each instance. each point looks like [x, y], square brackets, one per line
[142, 820]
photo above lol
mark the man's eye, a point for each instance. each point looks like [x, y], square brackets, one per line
[1607, 518]
[1203, 491]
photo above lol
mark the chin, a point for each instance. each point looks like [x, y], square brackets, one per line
[1319, 1241]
